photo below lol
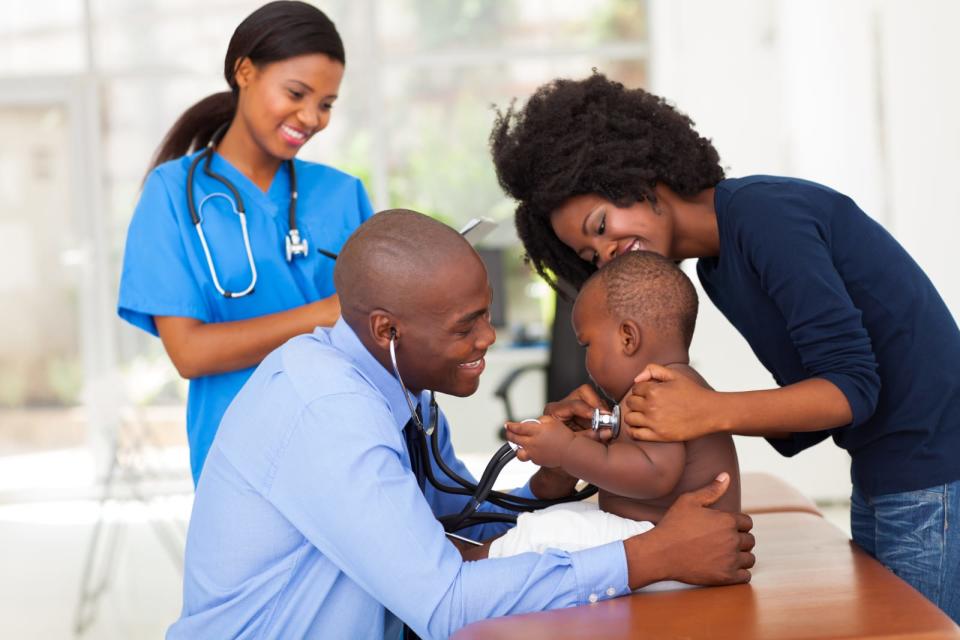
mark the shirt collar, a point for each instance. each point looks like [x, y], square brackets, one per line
[345, 340]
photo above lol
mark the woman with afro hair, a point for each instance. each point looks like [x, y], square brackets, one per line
[858, 340]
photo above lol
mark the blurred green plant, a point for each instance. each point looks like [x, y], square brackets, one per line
[621, 20]
[448, 177]
[13, 385]
[442, 22]
[65, 379]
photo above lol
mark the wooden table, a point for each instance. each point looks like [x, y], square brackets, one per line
[810, 581]
[766, 493]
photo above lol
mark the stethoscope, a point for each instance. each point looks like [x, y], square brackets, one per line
[294, 244]
[482, 491]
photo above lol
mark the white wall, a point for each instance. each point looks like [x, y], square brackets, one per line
[860, 95]
[921, 99]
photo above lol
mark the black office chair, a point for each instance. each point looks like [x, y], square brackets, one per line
[503, 389]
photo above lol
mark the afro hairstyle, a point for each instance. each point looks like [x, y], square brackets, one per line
[592, 136]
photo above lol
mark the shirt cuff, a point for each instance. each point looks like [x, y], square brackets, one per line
[794, 443]
[601, 572]
[860, 406]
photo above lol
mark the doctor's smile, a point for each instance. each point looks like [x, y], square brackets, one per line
[474, 367]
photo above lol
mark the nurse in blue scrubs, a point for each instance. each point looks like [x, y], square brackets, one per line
[283, 66]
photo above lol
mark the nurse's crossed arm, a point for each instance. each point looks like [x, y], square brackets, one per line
[199, 348]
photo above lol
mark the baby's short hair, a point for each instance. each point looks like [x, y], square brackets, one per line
[649, 289]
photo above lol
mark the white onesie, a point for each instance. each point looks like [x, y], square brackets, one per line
[571, 526]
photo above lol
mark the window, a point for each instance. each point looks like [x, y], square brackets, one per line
[413, 120]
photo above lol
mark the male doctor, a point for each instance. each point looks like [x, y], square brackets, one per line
[309, 521]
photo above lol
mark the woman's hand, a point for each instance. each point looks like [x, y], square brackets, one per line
[576, 410]
[544, 441]
[665, 406]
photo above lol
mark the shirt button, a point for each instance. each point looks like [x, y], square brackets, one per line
[611, 592]
[593, 597]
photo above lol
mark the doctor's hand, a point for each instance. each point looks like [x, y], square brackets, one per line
[666, 406]
[576, 410]
[693, 543]
[543, 441]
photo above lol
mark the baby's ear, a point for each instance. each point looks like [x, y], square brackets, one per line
[630, 336]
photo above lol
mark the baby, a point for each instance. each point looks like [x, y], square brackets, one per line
[639, 309]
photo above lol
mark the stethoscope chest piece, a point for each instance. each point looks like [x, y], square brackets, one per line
[609, 421]
[295, 245]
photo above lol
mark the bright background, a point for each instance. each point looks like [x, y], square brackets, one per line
[861, 95]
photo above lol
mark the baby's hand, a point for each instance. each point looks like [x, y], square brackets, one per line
[544, 442]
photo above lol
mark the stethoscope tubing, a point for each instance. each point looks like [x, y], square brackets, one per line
[246, 245]
[480, 492]
[483, 491]
[294, 244]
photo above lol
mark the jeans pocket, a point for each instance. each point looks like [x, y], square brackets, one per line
[910, 536]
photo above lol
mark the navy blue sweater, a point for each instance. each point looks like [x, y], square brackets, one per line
[820, 290]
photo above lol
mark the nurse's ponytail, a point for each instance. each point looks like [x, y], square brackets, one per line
[276, 31]
[194, 128]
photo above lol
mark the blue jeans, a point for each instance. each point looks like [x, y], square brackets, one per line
[915, 534]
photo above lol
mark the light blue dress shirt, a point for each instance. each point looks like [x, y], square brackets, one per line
[165, 272]
[308, 521]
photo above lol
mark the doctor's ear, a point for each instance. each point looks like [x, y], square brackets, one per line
[383, 327]
[629, 335]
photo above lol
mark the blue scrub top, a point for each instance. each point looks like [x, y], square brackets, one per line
[165, 272]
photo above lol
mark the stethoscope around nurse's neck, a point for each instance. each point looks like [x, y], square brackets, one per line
[294, 245]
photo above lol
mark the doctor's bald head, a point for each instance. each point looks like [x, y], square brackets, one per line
[405, 275]
[395, 258]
